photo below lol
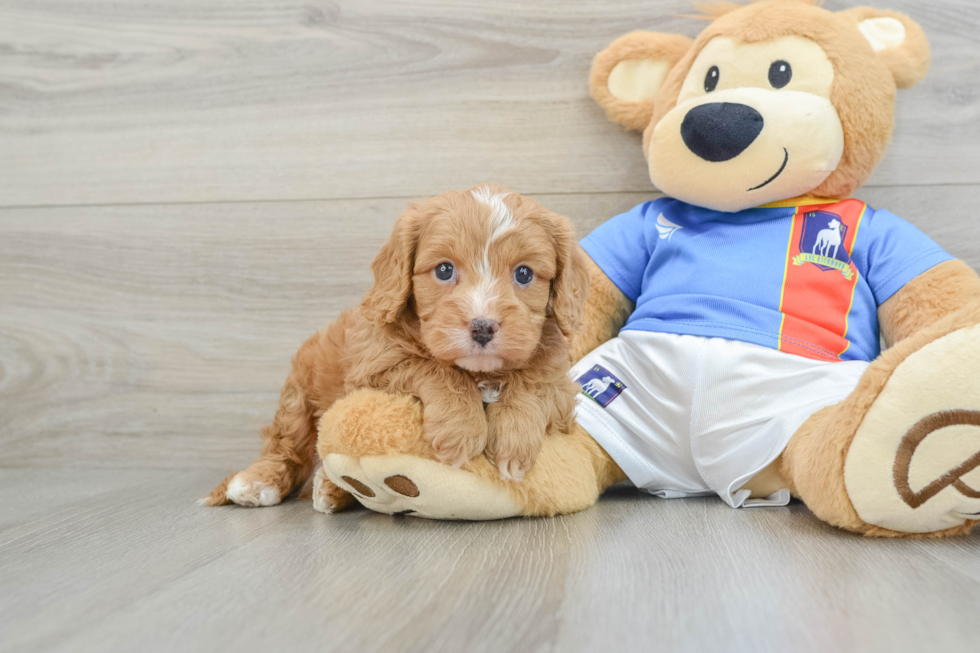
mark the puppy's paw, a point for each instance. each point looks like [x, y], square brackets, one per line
[455, 444]
[455, 454]
[251, 492]
[512, 452]
[512, 469]
[327, 497]
[516, 432]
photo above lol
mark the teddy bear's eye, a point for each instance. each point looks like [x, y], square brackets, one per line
[711, 79]
[780, 72]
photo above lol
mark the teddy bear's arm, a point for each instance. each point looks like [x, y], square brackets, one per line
[605, 313]
[948, 288]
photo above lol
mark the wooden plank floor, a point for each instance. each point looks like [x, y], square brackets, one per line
[188, 190]
[125, 562]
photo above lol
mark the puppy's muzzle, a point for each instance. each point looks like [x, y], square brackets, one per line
[482, 331]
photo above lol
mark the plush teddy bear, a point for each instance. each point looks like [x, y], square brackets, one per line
[731, 338]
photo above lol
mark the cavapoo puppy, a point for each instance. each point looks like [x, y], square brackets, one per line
[476, 296]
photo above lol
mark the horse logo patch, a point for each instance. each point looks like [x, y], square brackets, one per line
[600, 385]
[822, 243]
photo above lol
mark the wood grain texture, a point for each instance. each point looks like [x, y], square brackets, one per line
[177, 100]
[125, 569]
[159, 336]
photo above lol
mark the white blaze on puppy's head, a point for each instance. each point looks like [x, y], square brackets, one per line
[501, 219]
[498, 222]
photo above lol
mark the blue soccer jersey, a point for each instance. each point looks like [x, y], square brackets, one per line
[805, 276]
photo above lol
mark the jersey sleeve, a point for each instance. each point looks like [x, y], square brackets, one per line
[619, 247]
[897, 252]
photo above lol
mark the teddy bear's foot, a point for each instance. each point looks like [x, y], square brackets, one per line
[914, 463]
[399, 484]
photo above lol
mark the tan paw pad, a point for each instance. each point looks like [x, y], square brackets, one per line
[358, 486]
[402, 485]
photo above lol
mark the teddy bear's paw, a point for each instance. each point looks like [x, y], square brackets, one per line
[914, 463]
[408, 485]
[251, 492]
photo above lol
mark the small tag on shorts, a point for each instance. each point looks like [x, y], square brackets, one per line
[600, 385]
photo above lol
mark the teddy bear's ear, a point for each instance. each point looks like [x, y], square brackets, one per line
[627, 75]
[897, 40]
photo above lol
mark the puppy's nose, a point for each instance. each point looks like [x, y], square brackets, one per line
[482, 330]
[720, 131]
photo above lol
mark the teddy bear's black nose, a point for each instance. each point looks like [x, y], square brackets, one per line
[720, 131]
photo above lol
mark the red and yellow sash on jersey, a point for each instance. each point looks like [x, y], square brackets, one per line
[820, 278]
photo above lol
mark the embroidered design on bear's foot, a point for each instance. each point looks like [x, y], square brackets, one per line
[927, 426]
[914, 463]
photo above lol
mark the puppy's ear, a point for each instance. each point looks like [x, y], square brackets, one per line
[388, 298]
[570, 286]
[897, 40]
[627, 75]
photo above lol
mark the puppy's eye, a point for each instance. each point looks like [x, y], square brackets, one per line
[711, 79]
[445, 271]
[523, 275]
[780, 72]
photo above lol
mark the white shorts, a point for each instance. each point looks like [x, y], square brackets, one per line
[688, 416]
